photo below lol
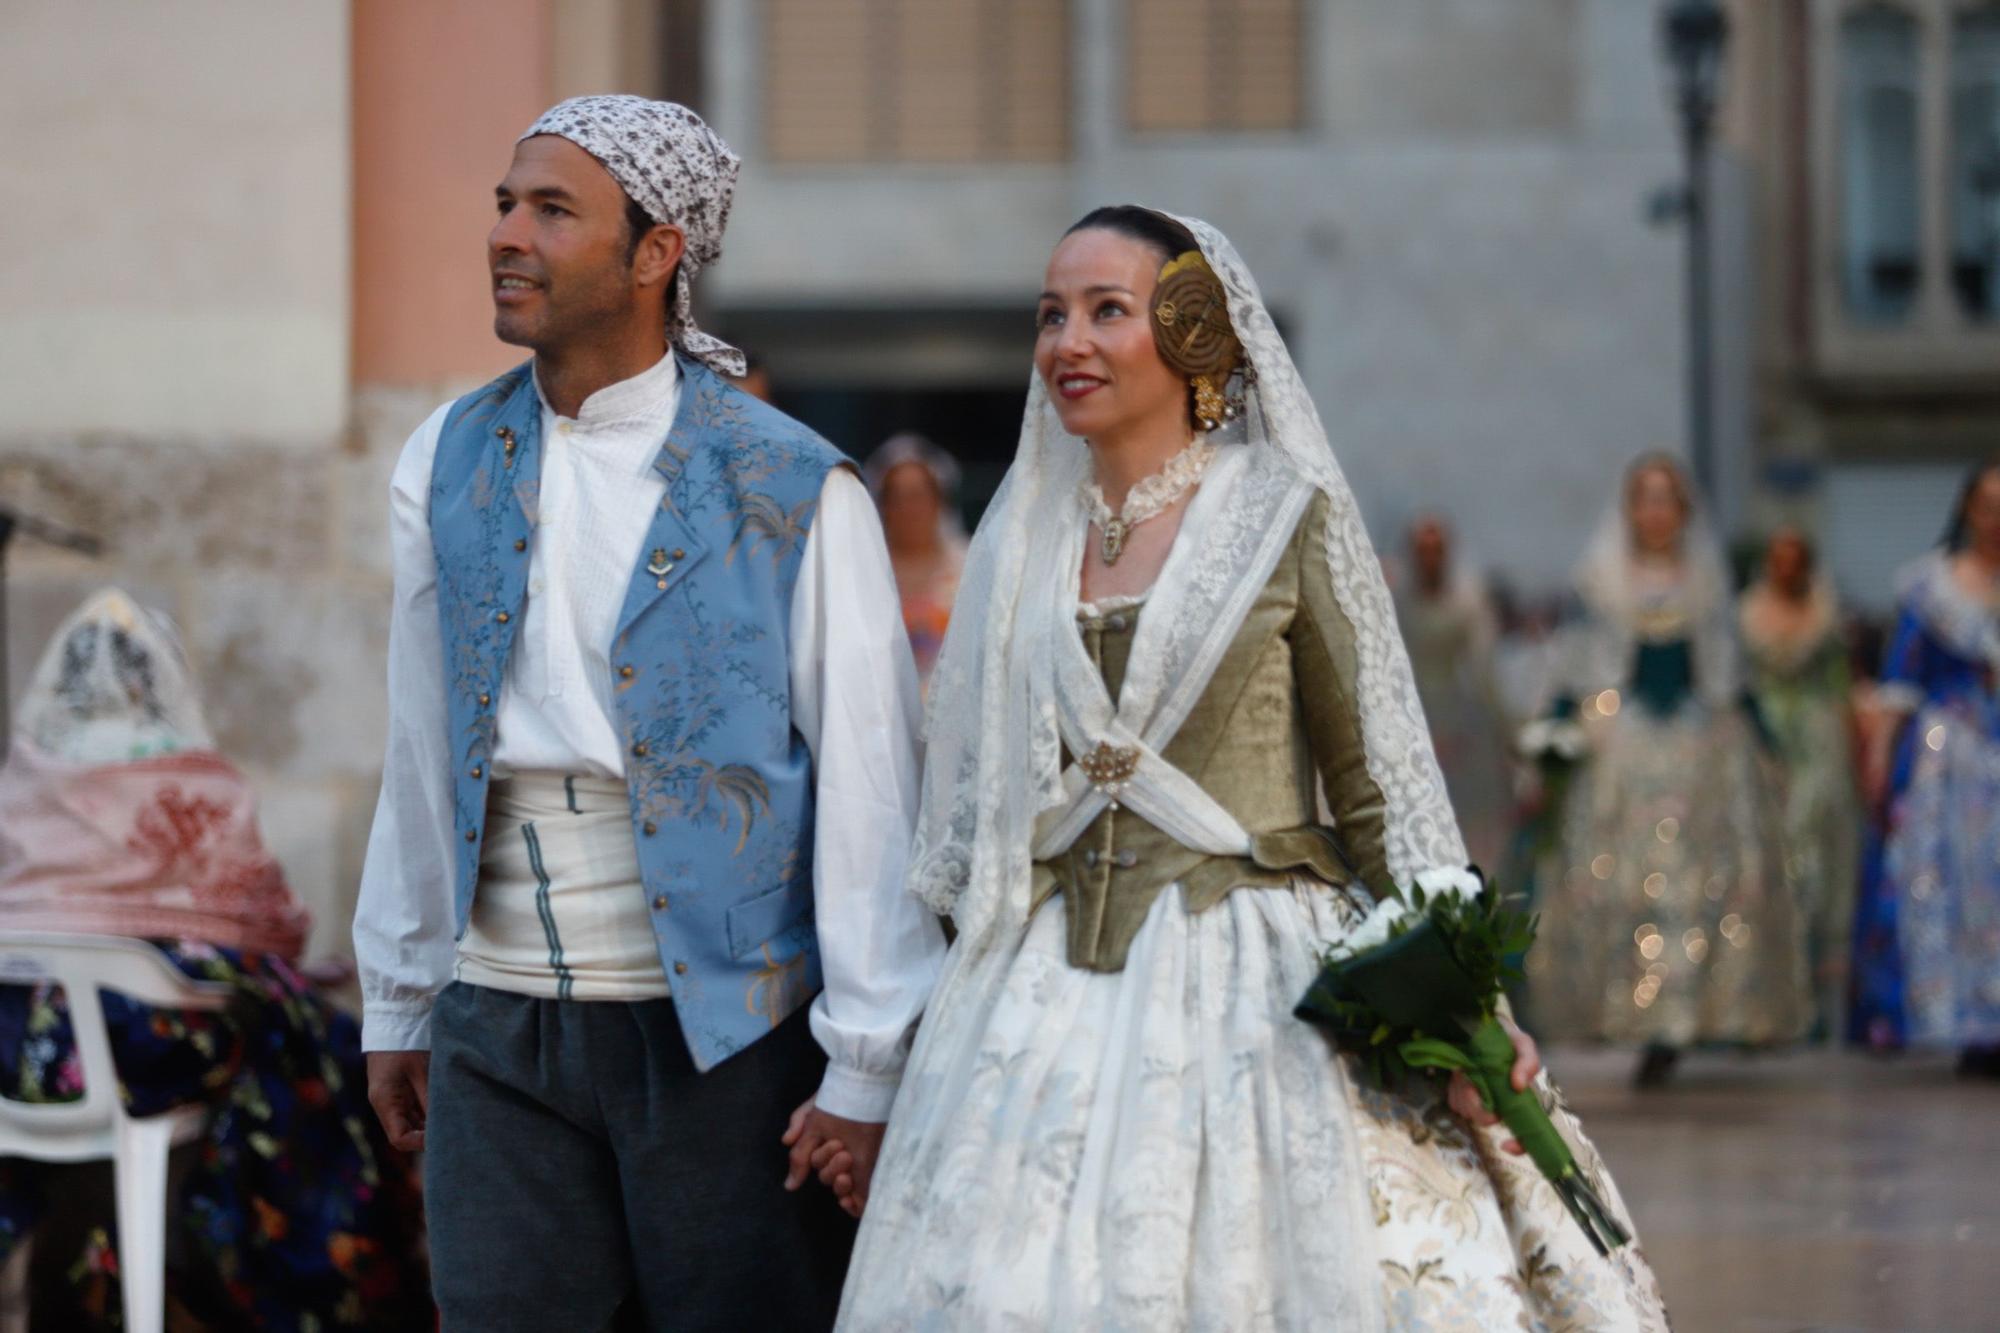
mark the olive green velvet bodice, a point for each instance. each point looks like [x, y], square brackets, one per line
[1279, 716]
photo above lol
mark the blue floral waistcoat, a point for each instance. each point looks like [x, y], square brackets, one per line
[720, 781]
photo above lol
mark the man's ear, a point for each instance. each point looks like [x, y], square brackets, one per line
[659, 253]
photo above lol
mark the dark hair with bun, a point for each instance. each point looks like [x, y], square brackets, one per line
[1158, 230]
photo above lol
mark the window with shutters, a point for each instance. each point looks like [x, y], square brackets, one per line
[1881, 241]
[1214, 66]
[850, 81]
[1973, 172]
[1906, 159]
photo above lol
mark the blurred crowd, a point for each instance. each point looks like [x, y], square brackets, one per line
[1745, 815]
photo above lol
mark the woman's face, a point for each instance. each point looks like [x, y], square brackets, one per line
[1657, 511]
[910, 507]
[1430, 552]
[1094, 339]
[1982, 515]
[1790, 563]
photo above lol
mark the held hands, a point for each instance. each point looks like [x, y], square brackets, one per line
[399, 1088]
[1464, 1099]
[841, 1152]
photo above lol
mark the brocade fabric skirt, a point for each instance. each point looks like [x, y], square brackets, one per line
[1673, 917]
[1168, 1147]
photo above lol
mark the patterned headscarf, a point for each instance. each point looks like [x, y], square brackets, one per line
[675, 168]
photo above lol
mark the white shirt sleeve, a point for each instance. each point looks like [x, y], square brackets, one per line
[404, 929]
[855, 700]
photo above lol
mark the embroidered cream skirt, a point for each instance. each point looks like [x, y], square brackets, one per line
[1167, 1147]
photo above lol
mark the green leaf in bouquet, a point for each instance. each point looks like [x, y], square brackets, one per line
[1412, 981]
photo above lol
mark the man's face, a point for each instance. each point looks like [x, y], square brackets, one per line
[561, 252]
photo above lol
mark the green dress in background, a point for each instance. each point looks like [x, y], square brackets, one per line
[1451, 636]
[1799, 678]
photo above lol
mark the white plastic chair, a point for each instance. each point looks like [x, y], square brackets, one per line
[97, 1127]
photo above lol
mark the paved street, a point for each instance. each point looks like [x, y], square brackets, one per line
[1811, 1191]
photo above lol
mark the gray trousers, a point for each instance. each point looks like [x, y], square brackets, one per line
[581, 1175]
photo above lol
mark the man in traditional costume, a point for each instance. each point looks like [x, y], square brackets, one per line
[651, 776]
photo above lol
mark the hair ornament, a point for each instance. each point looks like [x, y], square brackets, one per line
[1192, 330]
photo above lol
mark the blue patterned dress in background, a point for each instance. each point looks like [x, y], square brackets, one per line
[1927, 933]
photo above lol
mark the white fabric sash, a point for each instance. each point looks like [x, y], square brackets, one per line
[1238, 525]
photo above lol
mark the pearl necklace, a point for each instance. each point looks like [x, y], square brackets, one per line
[1149, 499]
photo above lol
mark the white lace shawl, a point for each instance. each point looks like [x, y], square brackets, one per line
[1616, 602]
[994, 760]
[1958, 620]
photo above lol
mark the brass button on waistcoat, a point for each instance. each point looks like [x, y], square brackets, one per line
[521, 543]
[485, 699]
[651, 828]
[478, 771]
[472, 835]
[639, 750]
[680, 969]
[660, 903]
[625, 672]
[503, 617]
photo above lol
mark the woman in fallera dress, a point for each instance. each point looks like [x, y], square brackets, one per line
[1796, 648]
[1674, 920]
[1449, 623]
[1171, 635]
[915, 486]
[1928, 931]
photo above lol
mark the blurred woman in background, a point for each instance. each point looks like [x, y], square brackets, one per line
[1928, 931]
[1451, 629]
[118, 817]
[1792, 636]
[1673, 921]
[915, 485]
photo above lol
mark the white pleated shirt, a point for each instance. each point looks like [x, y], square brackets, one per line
[853, 695]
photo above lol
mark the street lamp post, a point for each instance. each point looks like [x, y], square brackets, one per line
[1693, 35]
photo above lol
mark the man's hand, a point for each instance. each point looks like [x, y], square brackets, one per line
[841, 1152]
[1464, 1098]
[399, 1088]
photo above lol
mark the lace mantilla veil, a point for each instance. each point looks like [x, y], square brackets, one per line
[1606, 582]
[994, 760]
